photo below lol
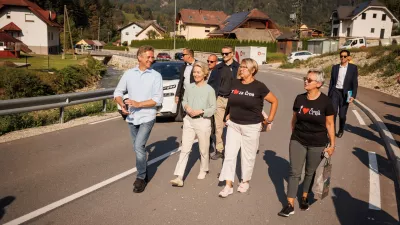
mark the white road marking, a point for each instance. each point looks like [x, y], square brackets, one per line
[360, 119]
[101, 121]
[374, 184]
[86, 191]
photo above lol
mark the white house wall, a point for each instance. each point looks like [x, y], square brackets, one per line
[143, 35]
[195, 31]
[34, 34]
[362, 28]
[129, 33]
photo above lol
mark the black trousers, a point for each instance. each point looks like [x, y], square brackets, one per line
[340, 106]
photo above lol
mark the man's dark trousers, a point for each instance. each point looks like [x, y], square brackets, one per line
[340, 105]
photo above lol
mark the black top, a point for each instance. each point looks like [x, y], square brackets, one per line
[214, 80]
[310, 128]
[246, 102]
[226, 78]
[234, 67]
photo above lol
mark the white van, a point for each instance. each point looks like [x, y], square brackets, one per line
[354, 43]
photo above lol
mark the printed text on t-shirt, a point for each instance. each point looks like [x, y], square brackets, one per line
[311, 111]
[237, 92]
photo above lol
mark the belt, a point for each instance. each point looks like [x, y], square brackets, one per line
[341, 90]
[223, 96]
[196, 117]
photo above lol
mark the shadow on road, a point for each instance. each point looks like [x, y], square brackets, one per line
[157, 149]
[391, 104]
[278, 171]
[364, 133]
[4, 202]
[393, 128]
[350, 210]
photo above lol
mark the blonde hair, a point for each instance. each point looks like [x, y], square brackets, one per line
[203, 67]
[251, 65]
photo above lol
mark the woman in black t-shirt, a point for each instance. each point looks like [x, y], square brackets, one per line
[312, 124]
[244, 124]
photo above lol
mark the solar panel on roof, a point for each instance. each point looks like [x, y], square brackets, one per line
[360, 8]
[234, 20]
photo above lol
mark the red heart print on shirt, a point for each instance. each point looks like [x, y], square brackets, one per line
[236, 91]
[305, 110]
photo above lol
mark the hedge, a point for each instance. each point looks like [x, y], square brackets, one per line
[203, 45]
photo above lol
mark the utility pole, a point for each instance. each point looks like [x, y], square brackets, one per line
[98, 32]
[70, 35]
[175, 28]
[63, 54]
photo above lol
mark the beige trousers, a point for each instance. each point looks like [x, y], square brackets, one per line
[246, 138]
[219, 122]
[192, 127]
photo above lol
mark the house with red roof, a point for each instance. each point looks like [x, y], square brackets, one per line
[247, 25]
[35, 27]
[193, 23]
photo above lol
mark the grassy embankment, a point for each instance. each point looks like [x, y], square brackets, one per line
[384, 61]
[67, 76]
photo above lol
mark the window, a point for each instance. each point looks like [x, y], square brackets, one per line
[307, 53]
[363, 16]
[207, 29]
[383, 17]
[348, 32]
[8, 15]
[361, 41]
[374, 16]
[372, 30]
[127, 33]
[2, 44]
[354, 42]
[29, 18]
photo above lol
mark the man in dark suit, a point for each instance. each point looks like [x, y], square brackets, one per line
[186, 73]
[344, 78]
[214, 79]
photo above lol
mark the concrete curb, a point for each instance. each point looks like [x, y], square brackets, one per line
[390, 143]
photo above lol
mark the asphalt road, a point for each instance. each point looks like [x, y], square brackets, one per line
[38, 171]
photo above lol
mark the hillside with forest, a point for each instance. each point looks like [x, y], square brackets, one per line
[112, 14]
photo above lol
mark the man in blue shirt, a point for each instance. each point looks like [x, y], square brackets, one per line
[145, 91]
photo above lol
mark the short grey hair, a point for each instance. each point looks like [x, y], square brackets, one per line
[319, 73]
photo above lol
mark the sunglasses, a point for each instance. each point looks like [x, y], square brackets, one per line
[343, 56]
[183, 54]
[243, 67]
[225, 53]
[309, 80]
[209, 61]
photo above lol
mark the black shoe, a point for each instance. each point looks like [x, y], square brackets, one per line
[217, 155]
[304, 203]
[340, 134]
[139, 185]
[287, 210]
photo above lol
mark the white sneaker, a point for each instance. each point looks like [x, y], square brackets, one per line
[202, 175]
[226, 192]
[177, 182]
[243, 187]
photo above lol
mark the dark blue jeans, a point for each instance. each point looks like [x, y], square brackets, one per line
[140, 134]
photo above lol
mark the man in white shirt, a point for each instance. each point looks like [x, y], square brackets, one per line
[186, 74]
[343, 88]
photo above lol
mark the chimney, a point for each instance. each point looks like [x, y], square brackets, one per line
[200, 10]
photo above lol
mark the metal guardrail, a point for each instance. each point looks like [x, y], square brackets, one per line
[13, 106]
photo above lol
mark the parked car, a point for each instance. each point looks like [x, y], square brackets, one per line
[170, 72]
[179, 56]
[300, 55]
[163, 56]
[354, 43]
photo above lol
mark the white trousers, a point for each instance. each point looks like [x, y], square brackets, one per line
[192, 127]
[246, 138]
